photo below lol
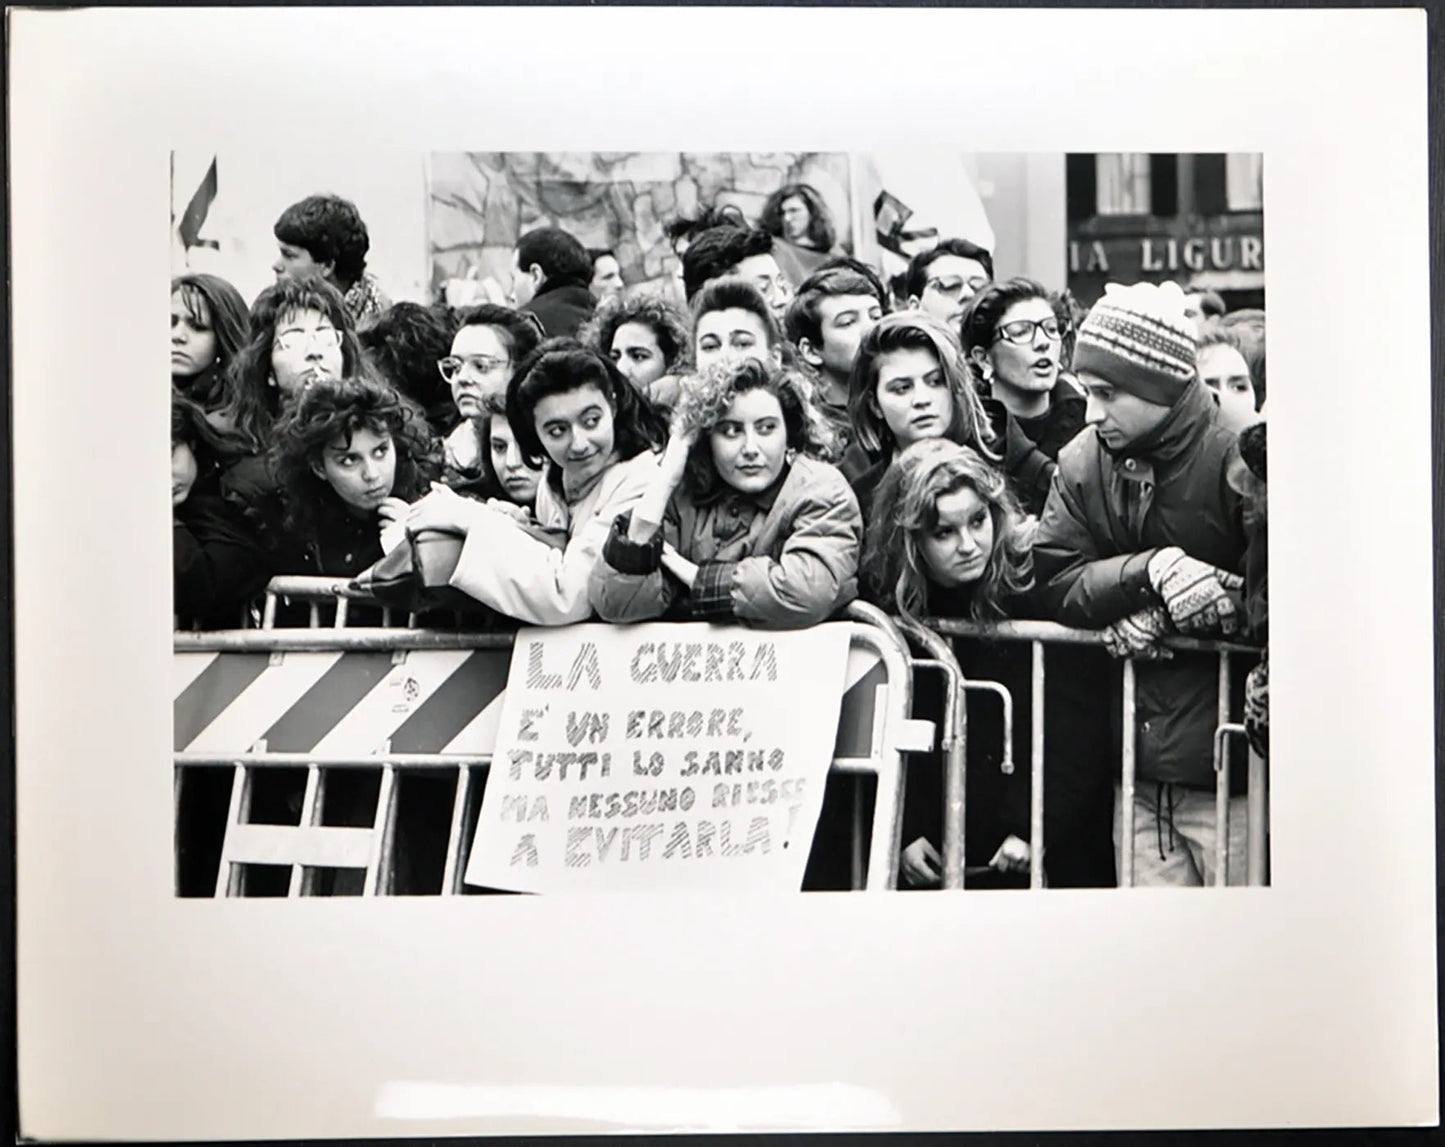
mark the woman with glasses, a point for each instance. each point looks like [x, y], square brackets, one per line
[597, 438]
[742, 523]
[209, 325]
[1014, 342]
[300, 334]
[490, 342]
[909, 384]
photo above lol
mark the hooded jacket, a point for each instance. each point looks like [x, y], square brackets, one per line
[1107, 514]
[785, 559]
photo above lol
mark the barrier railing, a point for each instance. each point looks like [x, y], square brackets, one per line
[869, 742]
[1041, 633]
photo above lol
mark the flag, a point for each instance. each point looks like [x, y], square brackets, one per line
[194, 216]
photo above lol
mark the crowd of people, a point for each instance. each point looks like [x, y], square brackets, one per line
[801, 434]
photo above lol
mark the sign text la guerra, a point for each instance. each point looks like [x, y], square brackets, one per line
[659, 661]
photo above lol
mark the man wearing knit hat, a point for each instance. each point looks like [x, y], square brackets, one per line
[1142, 536]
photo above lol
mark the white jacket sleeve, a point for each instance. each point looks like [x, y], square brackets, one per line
[511, 569]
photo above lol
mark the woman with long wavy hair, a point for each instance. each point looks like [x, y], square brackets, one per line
[948, 538]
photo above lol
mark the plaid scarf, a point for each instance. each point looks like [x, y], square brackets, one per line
[365, 301]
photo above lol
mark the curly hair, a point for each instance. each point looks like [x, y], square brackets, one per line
[405, 343]
[821, 234]
[915, 330]
[331, 230]
[683, 228]
[249, 403]
[212, 303]
[337, 408]
[560, 365]
[905, 506]
[669, 324]
[706, 398]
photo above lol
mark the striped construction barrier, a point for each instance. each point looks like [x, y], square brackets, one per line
[328, 699]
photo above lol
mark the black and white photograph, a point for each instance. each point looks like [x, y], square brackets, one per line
[1003, 414]
[652, 491]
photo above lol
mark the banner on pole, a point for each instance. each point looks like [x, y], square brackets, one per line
[661, 756]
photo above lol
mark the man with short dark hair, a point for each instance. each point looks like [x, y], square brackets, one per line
[834, 308]
[746, 252]
[323, 236]
[943, 279]
[606, 273]
[551, 274]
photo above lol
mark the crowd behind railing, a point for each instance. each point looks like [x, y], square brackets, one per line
[971, 452]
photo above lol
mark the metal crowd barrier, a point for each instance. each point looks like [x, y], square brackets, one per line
[1039, 634]
[217, 670]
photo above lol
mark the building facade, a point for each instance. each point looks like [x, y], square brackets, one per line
[1195, 219]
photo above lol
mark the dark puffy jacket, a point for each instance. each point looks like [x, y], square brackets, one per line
[1105, 517]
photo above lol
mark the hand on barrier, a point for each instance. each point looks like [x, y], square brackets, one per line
[1013, 855]
[921, 865]
[1138, 635]
[1197, 594]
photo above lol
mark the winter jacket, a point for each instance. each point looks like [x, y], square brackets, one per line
[524, 576]
[219, 562]
[1032, 445]
[562, 309]
[1106, 515]
[462, 466]
[785, 559]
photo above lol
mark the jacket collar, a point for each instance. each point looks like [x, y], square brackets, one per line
[1189, 417]
[764, 500]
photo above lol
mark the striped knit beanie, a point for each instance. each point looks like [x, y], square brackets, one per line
[1138, 339]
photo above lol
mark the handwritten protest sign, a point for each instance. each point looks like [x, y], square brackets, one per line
[660, 756]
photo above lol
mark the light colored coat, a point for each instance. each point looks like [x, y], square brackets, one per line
[505, 566]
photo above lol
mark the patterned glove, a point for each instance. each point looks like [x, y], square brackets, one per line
[1256, 707]
[1138, 635]
[1197, 594]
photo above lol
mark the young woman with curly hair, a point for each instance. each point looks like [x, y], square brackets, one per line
[742, 522]
[646, 336]
[948, 539]
[350, 456]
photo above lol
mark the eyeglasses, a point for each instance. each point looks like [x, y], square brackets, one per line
[952, 288]
[451, 366]
[294, 338]
[1020, 332]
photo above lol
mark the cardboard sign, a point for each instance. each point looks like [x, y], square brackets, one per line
[660, 756]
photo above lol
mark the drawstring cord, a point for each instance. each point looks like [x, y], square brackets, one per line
[1164, 796]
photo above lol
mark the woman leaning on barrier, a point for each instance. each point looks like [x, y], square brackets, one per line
[740, 523]
[949, 539]
[350, 456]
[567, 405]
